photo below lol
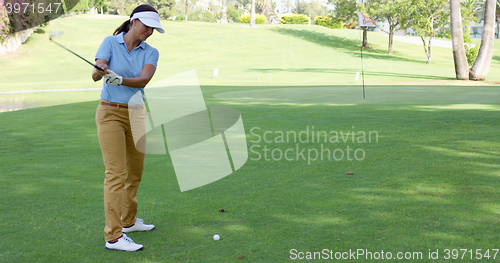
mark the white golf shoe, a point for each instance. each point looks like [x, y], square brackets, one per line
[138, 226]
[124, 243]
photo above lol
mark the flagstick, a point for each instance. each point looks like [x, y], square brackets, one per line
[362, 68]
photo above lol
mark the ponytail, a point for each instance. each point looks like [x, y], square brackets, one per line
[123, 28]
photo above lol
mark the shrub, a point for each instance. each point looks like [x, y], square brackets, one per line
[4, 22]
[202, 16]
[295, 19]
[470, 50]
[259, 19]
[328, 21]
[233, 14]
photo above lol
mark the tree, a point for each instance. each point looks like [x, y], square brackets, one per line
[317, 9]
[289, 5]
[224, 11]
[252, 17]
[457, 39]
[468, 10]
[301, 8]
[392, 11]
[428, 18]
[165, 8]
[265, 7]
[347, 10]
[498, 18]
[482, 64]
[121, 5]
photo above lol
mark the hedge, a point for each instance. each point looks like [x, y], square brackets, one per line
[259, 19]
[328, 21]
[295, 19]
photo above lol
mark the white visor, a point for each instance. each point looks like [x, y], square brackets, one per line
[150, 19]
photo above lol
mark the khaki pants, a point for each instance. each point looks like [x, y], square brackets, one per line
[124, 165]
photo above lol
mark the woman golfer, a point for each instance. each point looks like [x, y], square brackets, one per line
[128, 63]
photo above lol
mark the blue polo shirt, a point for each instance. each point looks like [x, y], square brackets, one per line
[126, 64]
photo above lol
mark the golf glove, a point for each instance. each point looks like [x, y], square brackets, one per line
[113, 78]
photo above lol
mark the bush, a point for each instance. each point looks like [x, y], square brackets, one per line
[259, 19]
[295, 19]
[233, 14]
[471, 53]
[470, 50]
[202, 16]
[328, 21]
[4, 22]
[40, 31]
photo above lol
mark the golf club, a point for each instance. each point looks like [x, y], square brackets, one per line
[56, 34]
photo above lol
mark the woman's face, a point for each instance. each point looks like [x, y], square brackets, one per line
[141, 31]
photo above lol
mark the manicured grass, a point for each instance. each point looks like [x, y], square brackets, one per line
[279, 55]
[429, 182]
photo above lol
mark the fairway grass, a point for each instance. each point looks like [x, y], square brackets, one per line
[425, 176]
[429, 181]
[270, 55]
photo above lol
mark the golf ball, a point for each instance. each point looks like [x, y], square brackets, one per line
[216, 237]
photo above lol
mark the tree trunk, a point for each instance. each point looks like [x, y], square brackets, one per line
[391, 37]
[427, 49]
[392, 31]
[223, 18]
[481, 66]
[186, 18]
[457, 39]
[252, 16]
[365, 37]
[429, 54]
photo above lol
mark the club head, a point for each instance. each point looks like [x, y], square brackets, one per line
[55, 34]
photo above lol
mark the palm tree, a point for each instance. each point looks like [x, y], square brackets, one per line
[224, 16]
[457, 38]
[252, 16]
[482, 64]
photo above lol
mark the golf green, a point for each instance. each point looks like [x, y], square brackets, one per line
[341, 95]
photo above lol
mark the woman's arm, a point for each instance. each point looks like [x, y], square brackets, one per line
[97, 74]
[140, 82]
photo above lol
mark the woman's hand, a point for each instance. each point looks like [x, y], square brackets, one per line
[98, 74]
[113, 78]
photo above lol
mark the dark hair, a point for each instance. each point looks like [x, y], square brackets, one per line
[126, 25]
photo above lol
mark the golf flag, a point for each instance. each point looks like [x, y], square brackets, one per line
[365, 21]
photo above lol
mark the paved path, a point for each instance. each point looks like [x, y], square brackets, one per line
[46, 90]
[418, 41]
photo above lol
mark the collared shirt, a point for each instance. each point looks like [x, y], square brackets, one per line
[126, 64]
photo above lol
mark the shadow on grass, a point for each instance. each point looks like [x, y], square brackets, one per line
[430, 181]
[346, 45]
[351, 71]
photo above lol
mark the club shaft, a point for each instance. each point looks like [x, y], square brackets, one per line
[94, 65]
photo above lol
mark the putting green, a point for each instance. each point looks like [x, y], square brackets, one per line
[348, 95]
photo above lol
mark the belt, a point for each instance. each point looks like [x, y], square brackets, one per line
[138, 107]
